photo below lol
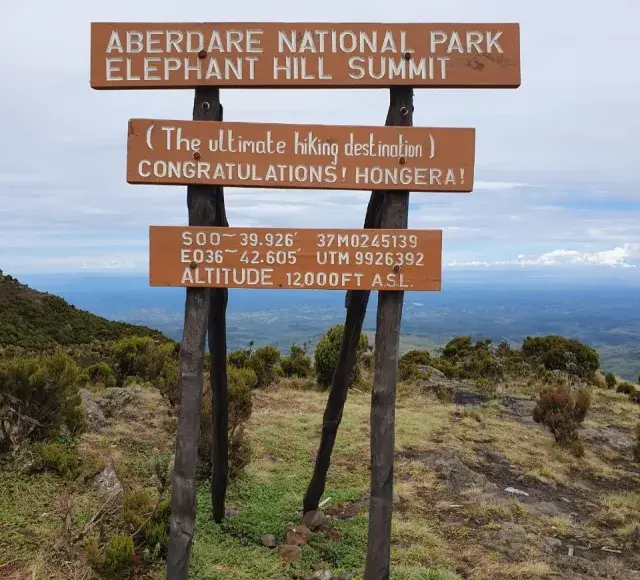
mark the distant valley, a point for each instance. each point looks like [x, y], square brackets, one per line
[600, 309]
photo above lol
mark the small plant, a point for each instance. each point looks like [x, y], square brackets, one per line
[562, 410]
[60, 458]
[298, 364]
[408, 366]
[626, 388]
[101, 373]
[610, 380]
[118, 557]
[328, 351]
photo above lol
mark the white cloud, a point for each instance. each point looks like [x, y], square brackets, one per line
[621, 256]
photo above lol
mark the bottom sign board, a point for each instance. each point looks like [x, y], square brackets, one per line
[291, 258]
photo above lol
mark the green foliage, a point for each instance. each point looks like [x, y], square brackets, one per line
[610, 380]
[39, 395]
[60, 457]
[327, 353]
[118, 557]
[562, 354]
[457, 348]
[41, 322]
[238, 358]
[409, 363]
[262, 362]
[240, 383]
[561, 410]
[101, 373]
[147, 360]
[298, 364]
[626, 388]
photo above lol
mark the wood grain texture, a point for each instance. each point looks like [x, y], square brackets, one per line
[356, 302]
[202, 211]
[395, 213]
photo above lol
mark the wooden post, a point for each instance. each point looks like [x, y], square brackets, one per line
[356, 302]
[219, 406]
[395, 214]
[202, 212]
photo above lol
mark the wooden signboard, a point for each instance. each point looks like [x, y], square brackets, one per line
[300, 156]
[322, 259]
[312, 55]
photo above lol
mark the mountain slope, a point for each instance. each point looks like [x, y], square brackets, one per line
[35, 320]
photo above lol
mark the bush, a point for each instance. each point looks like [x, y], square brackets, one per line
[118, 557]
[240, 383]
[562, 410]
[60, 458]
[409, 363]
[457, 348]
[297, 364]
[142, 357]
[238, 358]
[262, 363]
[626, 388]
[327, 353]
[563, 354]
[38, 396]
[101, 373]
[610, 380]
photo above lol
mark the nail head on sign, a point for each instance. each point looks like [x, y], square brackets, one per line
[202, 53]
[402, 160]
[196, 155]
[206, 106]
[404, 111]
[396, 268]
[193, 264]
[407, 56]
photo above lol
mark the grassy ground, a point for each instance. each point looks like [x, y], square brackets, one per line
[454, 518]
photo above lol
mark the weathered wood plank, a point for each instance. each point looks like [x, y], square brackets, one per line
[202, 212]
[395, 214]
[356, 302]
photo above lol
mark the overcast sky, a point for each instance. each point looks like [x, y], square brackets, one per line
[556, 159]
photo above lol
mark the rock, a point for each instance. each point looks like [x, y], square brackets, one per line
[230, 513]
[546, 509]
[346, 576]
[114, 399]
[296, 535]
[289, 553]
[321, 575]
[516, 491]
[107, 480]
[553, 542]
[565, 500]
[269, 541]
[313, 519]
[95, 416]
[396, 498]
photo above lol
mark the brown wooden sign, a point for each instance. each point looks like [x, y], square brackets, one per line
[321, 259]
[312, 55]
[300, 156]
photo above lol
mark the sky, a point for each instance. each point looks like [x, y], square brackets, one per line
[556, 174]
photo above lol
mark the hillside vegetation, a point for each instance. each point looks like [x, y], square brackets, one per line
[509, 464]
[35, 321]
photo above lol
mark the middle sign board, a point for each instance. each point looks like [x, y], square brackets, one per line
[277, 155]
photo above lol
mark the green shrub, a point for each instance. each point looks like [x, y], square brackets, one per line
[297, 364]
[409, 363]
[457, 348]
[626, 388]
[562, 354]
[101, 373]
[39, 395]
[562, 410]
[327, 353]
[240, 383]
[445, 367]
[238, 358]
[610, 380]
[60, 458]
[262, 363]
[118, 557]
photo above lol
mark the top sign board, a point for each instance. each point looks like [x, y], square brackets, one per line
[311, 55]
